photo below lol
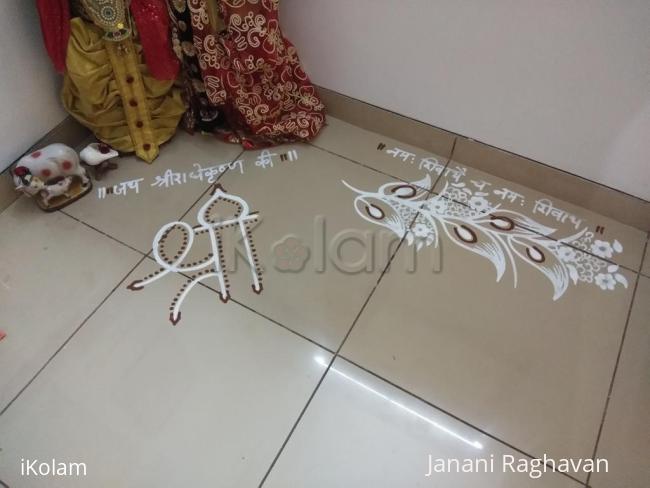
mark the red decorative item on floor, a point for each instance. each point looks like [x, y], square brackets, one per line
[3, 334]
[252, 73]
[55, 24]
[152, 20]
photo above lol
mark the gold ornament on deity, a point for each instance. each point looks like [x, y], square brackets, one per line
[111, 16]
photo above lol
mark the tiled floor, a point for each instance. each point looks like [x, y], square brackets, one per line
[506, 326]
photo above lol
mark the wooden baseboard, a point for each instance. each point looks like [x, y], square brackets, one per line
[537, 175]
[69, 132]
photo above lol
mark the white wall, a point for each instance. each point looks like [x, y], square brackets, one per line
[29, 101]
[566, 82]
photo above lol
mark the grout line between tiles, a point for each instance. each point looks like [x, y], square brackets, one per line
[336, 354]
[432, 191]
[450, 414]
[101, 232]
[435, 183]
[618, 359]
[289, 329]
[142, 258]
[358, 163]
[181, 217]
[260, 314]
[60, 348]
[313, 394]
[372, 292]
[564, 243]
[279, 324]
[458, 135]
[210, 186]
[453, 148]
[295, 424]
[645, 258]
[148, 255]
[354, 322]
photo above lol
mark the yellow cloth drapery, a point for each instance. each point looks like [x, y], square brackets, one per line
[108, 88]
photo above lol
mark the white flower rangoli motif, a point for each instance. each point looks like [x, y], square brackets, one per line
[505, 237]
[212, 265]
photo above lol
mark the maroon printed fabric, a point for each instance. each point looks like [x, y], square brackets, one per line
[252, 73]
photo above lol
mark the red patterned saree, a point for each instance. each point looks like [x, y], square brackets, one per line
[252, 73]
[243, 80]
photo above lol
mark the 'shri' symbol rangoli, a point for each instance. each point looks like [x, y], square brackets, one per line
[502, 236]
[213, 264]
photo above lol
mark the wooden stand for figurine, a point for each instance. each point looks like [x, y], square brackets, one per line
[51, 203]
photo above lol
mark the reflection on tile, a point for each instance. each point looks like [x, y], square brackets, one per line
[142, 403]
[625, 440]
[511, 331]
[319, 260]
[540, 347]
[53, 272]
[360, 431]
[135, 216]
[546, 215]
[382, 153]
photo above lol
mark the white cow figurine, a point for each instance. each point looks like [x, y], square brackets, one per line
[52, 162]
[51, 172]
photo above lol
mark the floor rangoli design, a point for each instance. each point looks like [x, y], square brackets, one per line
[213, 264]
[505, 237]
